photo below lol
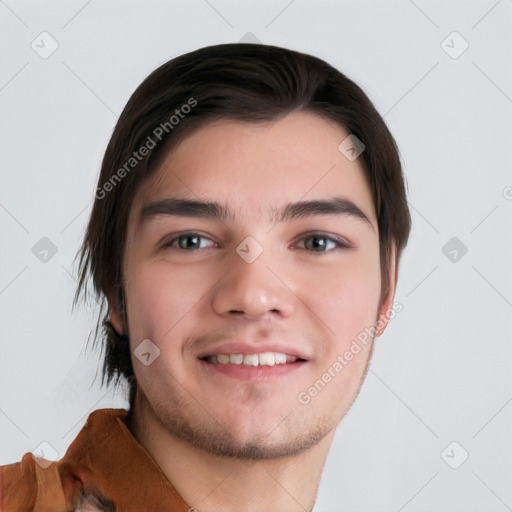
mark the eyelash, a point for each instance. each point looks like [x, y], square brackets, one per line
[340, 243]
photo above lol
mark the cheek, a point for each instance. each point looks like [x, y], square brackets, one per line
[347, 305]
[346, 297]
[159, 296]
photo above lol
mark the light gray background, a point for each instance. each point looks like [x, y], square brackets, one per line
[441, 372]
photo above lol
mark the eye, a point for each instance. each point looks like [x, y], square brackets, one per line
[320, 243]
[188, 242]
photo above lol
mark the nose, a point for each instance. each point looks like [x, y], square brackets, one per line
[253, 291]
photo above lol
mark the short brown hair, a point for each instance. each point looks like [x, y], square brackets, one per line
[245, 82]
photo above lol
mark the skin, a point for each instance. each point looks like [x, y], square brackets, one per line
[246, 445]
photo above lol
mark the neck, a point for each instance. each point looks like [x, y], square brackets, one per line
[209, 483]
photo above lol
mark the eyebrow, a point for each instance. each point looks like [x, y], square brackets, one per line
[173, 206]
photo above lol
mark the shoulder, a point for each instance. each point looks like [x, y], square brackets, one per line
[36, 484]
[29, 482]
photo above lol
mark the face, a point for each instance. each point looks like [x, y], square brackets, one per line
[255, 299]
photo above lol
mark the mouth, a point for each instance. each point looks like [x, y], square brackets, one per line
[257, 367]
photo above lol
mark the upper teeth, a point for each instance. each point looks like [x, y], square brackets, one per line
[263, 359]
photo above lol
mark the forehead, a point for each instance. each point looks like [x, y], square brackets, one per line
[257, 167]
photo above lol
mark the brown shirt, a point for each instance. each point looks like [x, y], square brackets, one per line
[104, 469]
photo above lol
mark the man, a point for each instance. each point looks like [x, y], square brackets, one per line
[246, 233]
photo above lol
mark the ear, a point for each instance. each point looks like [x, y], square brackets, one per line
[116, 316]
[387, 301]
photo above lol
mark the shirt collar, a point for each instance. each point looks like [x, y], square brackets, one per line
[113, 466]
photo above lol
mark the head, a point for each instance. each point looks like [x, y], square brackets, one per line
[228, 211]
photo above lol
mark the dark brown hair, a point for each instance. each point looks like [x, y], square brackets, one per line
[245, 82]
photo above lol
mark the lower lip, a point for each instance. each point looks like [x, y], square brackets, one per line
[253, 373]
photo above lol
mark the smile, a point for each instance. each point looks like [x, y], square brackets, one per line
[260, 367]
[262, 359]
